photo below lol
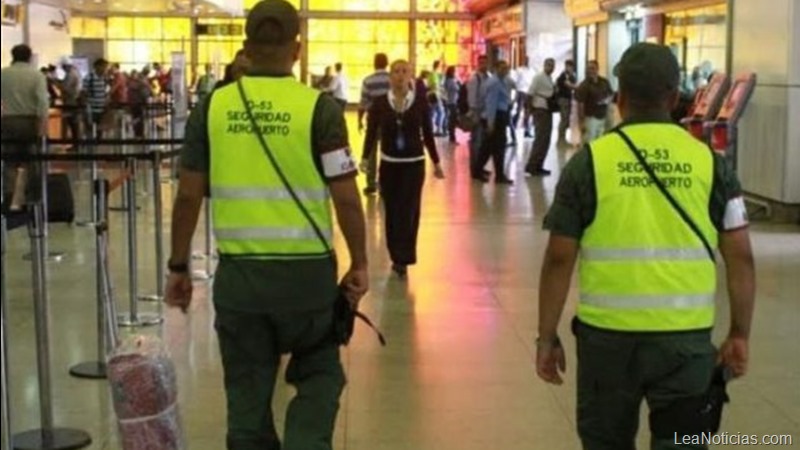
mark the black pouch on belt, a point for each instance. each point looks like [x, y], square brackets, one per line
[693, 416]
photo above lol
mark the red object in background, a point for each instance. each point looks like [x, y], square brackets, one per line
[144, 391]
[696, 128]
[719, 138]
[482, 6]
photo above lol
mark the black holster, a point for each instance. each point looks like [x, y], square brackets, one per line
[692, 416]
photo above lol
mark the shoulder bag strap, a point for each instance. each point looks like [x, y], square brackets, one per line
[278, 170]
[675, 205]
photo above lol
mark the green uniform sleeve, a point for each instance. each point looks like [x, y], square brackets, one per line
[575, 203]
[330, 142]
[195, 154]
[726, 187]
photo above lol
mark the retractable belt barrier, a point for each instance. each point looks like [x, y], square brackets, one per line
[47, 436]
[101, 188]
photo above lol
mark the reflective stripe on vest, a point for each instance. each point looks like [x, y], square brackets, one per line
[254, 193]
[641, 266]
[266, 233]
[253, 213]
[655, 254]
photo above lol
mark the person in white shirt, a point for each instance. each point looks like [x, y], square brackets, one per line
[542, 94]
[339, 86]
[25, 110]
[476, 94]
[523, 76]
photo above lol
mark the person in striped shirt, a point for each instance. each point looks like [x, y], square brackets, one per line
[96, 94]
[373, 87]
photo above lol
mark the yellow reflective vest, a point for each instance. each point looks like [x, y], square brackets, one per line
[253, 213]
[641, 267]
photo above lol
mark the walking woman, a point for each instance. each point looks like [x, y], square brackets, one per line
[401, 120]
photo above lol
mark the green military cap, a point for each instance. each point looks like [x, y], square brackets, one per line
[282, 20]
[648, 69]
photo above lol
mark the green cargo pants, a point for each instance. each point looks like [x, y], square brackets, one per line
[251, 345]
[616, 371]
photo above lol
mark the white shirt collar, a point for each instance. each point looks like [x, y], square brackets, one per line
[406, 104]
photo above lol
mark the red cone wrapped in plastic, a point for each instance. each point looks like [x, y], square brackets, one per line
[145, 395]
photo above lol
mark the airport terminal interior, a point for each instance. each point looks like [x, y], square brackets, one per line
[459, 368]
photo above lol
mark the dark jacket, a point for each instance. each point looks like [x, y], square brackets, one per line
[384, 123]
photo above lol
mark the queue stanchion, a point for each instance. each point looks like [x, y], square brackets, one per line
[173, 165]
[134, 318]
[159, 232]
[4, 392]
[47, 437]
[97, 369]
[43, 169]
[93, 175]
[207, 273]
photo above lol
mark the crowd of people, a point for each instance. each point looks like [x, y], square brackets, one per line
[647, 291]
[647, 294]
[95, 101]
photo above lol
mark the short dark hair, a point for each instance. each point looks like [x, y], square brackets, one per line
[100, 62]
[381, 61]
[338, 66]
[569, 63]
[450, 72]
[21, 53]
[436, 64]
[593, 61]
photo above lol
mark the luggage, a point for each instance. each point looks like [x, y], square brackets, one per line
[60, 204]
[145, 395]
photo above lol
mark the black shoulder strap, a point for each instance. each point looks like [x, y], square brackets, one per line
[675, 205]
[278, 170]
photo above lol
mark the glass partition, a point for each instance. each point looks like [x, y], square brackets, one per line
[354, 44]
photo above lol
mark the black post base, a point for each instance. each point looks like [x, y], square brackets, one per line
[55, 439]
[93, 370]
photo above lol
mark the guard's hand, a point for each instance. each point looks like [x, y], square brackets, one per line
[550, 361]
[364, 166]
[438, 172]
[734, 354]
[356, 285]
[179, 291]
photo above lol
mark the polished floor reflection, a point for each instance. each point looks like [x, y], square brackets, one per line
[458, 371]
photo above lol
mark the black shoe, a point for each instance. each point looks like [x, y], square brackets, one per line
[400, 269]
[486, 173]
[370, 190]
[481, 178]
[504, 180]
[537, 172]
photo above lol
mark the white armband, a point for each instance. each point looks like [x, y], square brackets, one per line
[735, 214]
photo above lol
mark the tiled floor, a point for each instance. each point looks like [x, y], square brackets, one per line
[457, 373]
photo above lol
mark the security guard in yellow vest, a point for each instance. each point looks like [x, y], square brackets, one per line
[647, 281]
[276, 282]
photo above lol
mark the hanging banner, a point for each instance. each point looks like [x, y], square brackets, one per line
[180, 101]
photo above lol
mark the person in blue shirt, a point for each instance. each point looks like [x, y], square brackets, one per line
[495, 115]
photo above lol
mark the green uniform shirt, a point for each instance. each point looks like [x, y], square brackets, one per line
[277, 286]
[575, 203]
